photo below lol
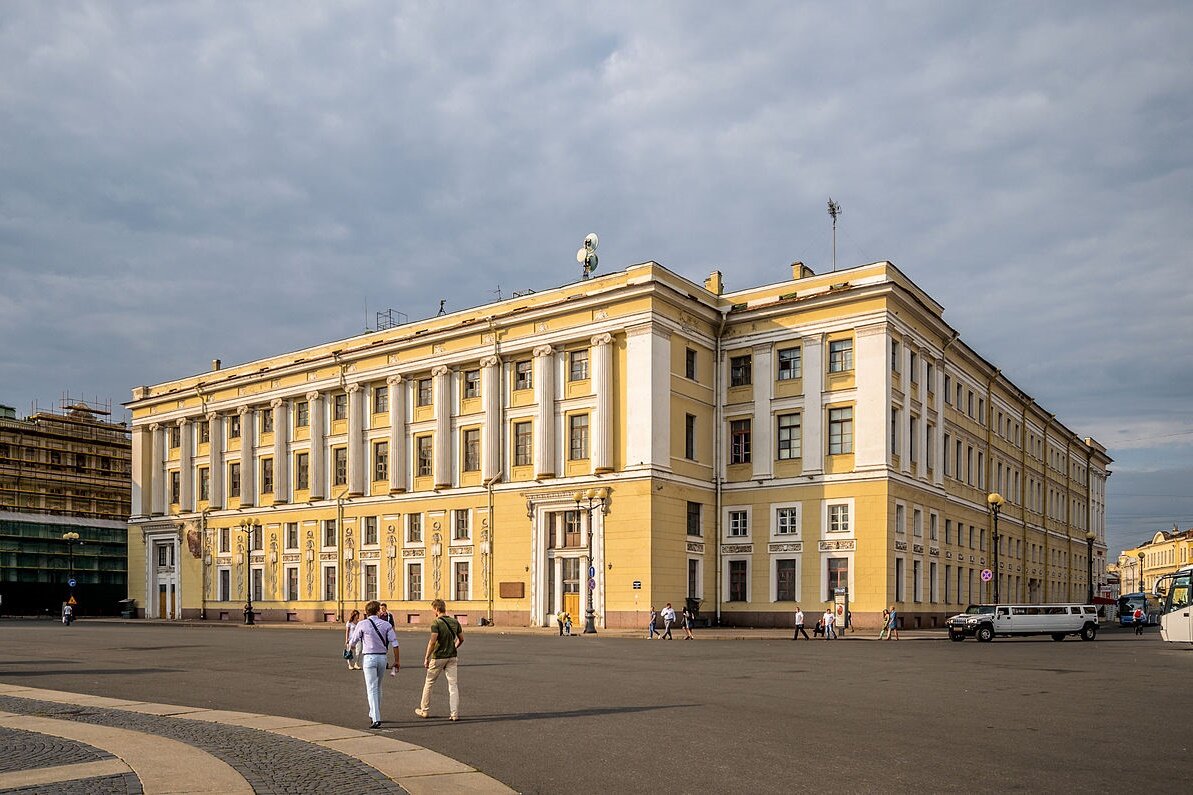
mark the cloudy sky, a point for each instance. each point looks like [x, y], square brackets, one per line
[185, 181]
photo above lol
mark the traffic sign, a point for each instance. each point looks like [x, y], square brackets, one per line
[987, 575]
[71, 601]
[592, 571]
[637, 585]
[592, 584]
[71, 582]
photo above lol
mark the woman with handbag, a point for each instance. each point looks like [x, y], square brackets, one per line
[377, 637]
[352, 653]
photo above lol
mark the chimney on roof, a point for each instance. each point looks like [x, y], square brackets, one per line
[801, 271]
[215, 365]
[713, 283]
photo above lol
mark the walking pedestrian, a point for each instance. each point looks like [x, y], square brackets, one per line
[886, 624]
[652, 629]
[68, 614]
[799, 624]
[376, 636]
[385, 614]
[893, 625]
[688, 618]
[1137, 615]
[442, 653]
[829, 619]
[353, 649]
[668, 620]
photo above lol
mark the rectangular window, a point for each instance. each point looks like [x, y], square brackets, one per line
[369, 534]
[917, 585]
[339, 406]
[690, 363]
[577, 437]
[414, 581]
[370, 581]
[522, 444]
[693, 578]
[256, 538]
[225, 594]
[947, 441]
[204, 433]
[578, 365]
[414, 528]
[789, 364]
[694, 528]
[524, 374]
[424, 456]
[787, 521]
[838, 518]
[292, 583]
[917, 523]
[789, 437]
[472, 383]
[267, 421]
[267, 476]
[914, 364]
[380, 399]
[571, 529]
[840, 431]
[175, 486]
[900, 519]
[689, 437]
[741, 370]
[234, 480]
[948, 385]
[840, 356]
[291, 535]
[739, 442]
[838, 576]
[930, 445]
[894, 431]
[380, 460]
[785, 571]
[895, 348]
[302, 414]
[302, 471]
[899, 579]
[460, 526]
[339, 465]
[472, 449]
[932, 523]
[739, 524]
[948, 531]
[738, 577]
[913, 427]
[175, 441]
[234, 426]
[929, 376]
[948, 576]
[461, 580]
[225, 539]
[204, 483]
[329, 583]
[425, 392]
[329, 532]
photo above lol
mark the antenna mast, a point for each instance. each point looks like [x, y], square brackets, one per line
[587, 256]
[834, 210]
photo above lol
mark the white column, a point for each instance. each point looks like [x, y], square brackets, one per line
[397, 433]
[137, 506]
[281, 451]
[762, 455]
[814, 443]
[318, 445]
[248, 458]
[491, 396]
[938, 409]
[905, 431]
[601, 358]
[872, 408]
[585, 594]
[215, 427]
[157, 474]
[648, 398]
[557, 596]
[357, 456]
[443, 426]
[544, 393]
[186, 469]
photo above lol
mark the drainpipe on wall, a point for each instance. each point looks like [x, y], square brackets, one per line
[718, 462]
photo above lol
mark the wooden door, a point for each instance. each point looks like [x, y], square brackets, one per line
[161, 601]
[571, 605]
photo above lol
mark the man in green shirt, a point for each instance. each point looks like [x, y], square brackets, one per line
[446, 638]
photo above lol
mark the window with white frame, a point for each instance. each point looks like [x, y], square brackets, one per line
[414, 581]
[414, 528]
[291, 577]
[472, 383]
[737, 572]
[741, 370]
[461, 527]
[789, 436]
[369, 533]
[461, 590]
[371, 582]
[225, 539]
[739, 523]
[786, 580]
[787, 520]
[329, 583]
[578, 365]
[840, 356]
[739, 442]
[840, 430]
[900, 519]
[932, 526]
[329, 532]
[694, 528]
[838, 518]
[224, 589]
[257, 584]
[789, 364]
[917, 523]
[291, 535]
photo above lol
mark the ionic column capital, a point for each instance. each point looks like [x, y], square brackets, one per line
[155, 426]
[244, 410]
[602, 339]
[212, 416]
[352, 389]
[181, 423]
[395, 380]
[543, 350]
[490, 361]
[312, 396]
[440, 370]
[276, 403]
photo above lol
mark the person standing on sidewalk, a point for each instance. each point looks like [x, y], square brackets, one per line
[688, 618]
[385, 614]
[652, 629]
[353, 650]
[668, 620]
[376, 637]
[799, 624]
[442, 653]
[829, 619]
[886, 624]
[893, 625]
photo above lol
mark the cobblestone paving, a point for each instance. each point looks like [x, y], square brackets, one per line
[271, 763]
[125, 784]
[24, 750]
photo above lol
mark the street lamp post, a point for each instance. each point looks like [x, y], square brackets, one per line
[246, 527]
[1089, 566]
[995, 501]
[71, 538]
[591, 500]
[1141, 555]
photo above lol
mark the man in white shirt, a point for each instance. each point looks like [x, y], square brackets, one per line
[377, 637]
[799, 624]
[829, 620]
[668, 619]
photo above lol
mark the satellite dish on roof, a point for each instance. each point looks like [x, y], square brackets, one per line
[586, 256]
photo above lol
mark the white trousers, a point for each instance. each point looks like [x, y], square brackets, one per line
[374, 665]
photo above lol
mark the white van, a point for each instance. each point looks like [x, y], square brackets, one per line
[984, 622]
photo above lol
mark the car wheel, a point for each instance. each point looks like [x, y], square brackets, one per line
[1089, 632]
[956, 636]
[985, 634]
[1058, 636]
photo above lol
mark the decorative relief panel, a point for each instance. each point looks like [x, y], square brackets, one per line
[370, 554]
[844, 545]
[437, 348]
[917, 548]
[418, 552]
[934, 551]
[736, 549]
[696, 546]
[461, 550]
[600, 314]
[901, 546]
[540, 326]
[291, 557]
[327, 556]
[786, 546]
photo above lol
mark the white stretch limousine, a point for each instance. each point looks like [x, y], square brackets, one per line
[984, 622]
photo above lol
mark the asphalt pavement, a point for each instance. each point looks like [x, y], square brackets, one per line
[752, 712]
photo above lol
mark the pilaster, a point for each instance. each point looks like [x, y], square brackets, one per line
[281, 450]
[186, 469]
[248, 457]
[318, 445]
[443, 426]
[357, 462]
[157, 477]
[601, 356]
[397, 433]
[215, 427]
[544, 389]
[813, 419]
[491, 399]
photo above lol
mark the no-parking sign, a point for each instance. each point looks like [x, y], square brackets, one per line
[987, 575]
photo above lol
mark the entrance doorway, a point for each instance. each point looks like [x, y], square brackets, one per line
[165, 601]
[571, 605]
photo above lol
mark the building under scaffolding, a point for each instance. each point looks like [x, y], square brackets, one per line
[63, 471]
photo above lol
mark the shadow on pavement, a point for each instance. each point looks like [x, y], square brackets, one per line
[572, 713]
[88, 671]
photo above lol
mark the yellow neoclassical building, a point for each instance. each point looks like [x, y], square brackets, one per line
[750, 450]
[1165, 552]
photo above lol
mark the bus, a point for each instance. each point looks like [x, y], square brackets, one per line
[1176, 620]
[1149, 604]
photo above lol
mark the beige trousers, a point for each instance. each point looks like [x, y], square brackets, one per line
[437, 667]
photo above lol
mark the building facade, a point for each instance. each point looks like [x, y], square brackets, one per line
[1164, 553]
[630, 440]
[60, 473]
